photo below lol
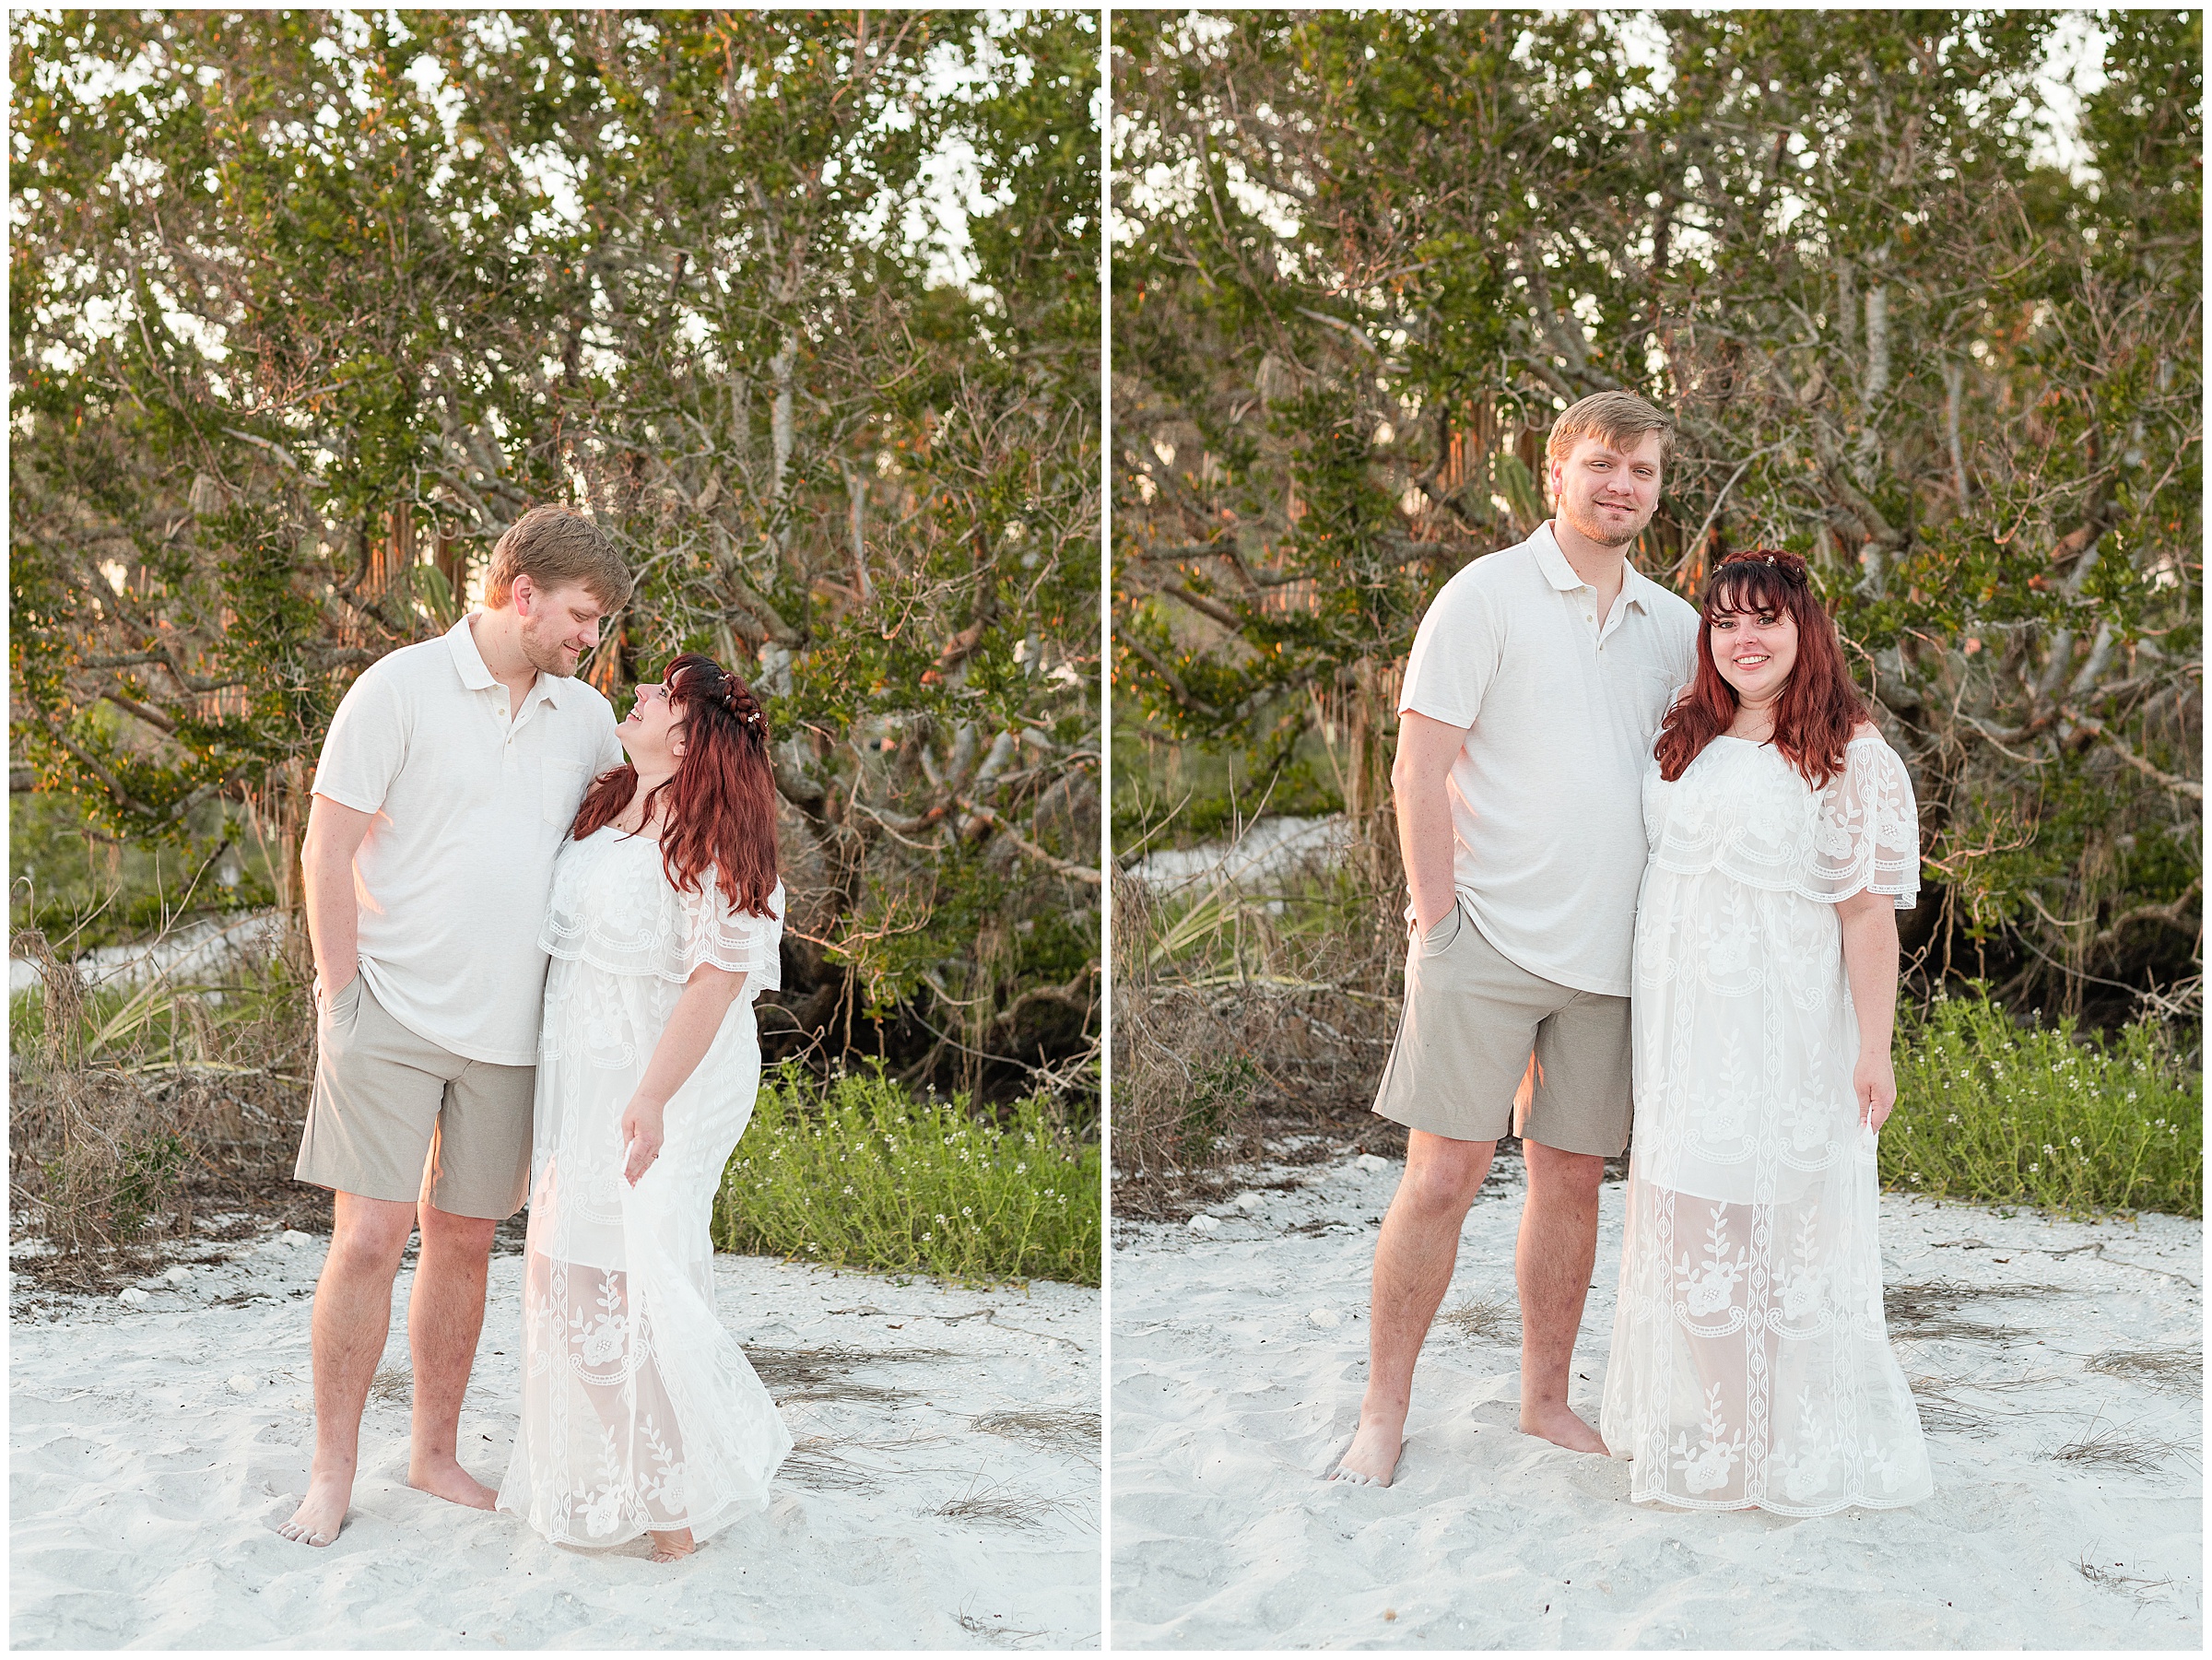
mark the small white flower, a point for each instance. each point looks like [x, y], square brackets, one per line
[2033, 1168]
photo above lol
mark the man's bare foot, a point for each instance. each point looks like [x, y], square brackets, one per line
[1558, 1424]
[444, 1478]
[321, 1512]
[672, 1546]
[1372, 1458]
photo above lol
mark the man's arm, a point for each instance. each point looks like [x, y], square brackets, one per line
[1427, 748]
[333, 918]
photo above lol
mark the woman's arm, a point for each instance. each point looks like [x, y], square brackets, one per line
[707, 997]
[1870, 922]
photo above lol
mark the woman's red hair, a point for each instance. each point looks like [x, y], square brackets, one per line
[1818, 709]
[721, 811]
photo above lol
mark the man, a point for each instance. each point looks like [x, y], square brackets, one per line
[452, 770]
[1533, 694]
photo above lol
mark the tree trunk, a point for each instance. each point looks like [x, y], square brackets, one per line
[1370, 739]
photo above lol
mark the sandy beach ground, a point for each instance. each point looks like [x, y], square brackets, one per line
[945, 1492]
[2057, 1366]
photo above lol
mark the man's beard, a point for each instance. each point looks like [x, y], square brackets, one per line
[545, 653]
[1603, 534]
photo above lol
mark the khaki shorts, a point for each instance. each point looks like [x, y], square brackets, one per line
[1474, 1019]
[395, 1116]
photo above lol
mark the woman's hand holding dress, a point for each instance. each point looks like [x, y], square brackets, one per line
[1874, 1086]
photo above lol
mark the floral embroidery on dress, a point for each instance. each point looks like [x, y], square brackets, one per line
[1706, 1467]
[1709, 1287]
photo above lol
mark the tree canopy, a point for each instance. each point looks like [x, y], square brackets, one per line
[1362, 260]
[308, 307]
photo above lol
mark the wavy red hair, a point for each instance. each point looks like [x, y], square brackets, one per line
[1819, 708]
[721, 807]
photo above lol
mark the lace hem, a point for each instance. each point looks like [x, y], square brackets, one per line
[665, 936]
[763, 972]
[1899, 877]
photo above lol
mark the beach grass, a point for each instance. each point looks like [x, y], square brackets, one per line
[2042, 1115]
[858, 1172]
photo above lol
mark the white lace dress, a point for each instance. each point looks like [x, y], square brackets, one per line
[1750, 1362]
[640, 1411]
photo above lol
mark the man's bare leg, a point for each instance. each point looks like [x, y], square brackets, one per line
[1552, 1261]
[1414, 1255]
[445, 1318]
[352, 1316]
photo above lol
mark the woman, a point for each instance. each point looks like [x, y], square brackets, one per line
[1750, 1363]
[639, 1412]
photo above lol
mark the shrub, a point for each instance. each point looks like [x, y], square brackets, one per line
[2042, 1115]
[860, 1173]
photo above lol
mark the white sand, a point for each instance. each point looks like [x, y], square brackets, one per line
[1232, 1392]
[155, 1448]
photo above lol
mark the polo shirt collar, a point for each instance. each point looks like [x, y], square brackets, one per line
[462, 639]
[1637, 590]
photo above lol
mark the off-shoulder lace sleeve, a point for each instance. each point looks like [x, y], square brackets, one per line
[1866, 829]
[716, 934]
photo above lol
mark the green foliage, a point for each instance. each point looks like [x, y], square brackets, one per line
[1989, 1111]
[307, 308]
[859, 1172]
[1220, 1096]
[1369, 256]
[150, 1166]
[83, 892]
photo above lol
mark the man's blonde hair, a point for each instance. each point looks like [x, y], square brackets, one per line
[1616, 419]
[555, 547]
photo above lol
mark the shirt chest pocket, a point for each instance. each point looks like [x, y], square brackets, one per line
[562, 785]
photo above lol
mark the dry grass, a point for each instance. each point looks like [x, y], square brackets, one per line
[1485, 1320]
[1926, 1310]
[2174, 1371]
[128, 1103]
[2118, 1447]
[394, 1386]
[996, 1502]
[1235, 1008]
[2128, 1585]
[819, 1374]
[814, 1463]
[1057, 1428]
[982, 1627]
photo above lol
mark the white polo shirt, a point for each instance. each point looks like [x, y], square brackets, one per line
[455, 874]
[1547, 794]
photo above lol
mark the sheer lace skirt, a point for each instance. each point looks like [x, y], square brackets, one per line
[640, 1411]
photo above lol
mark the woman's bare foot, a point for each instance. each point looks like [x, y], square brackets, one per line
[1558, 1424]
[672, 1546]
[1372, 1458]
[444, 1478]
[321, 1512]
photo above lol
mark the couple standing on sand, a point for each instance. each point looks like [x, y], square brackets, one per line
[1655, 855]
[539, 934]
